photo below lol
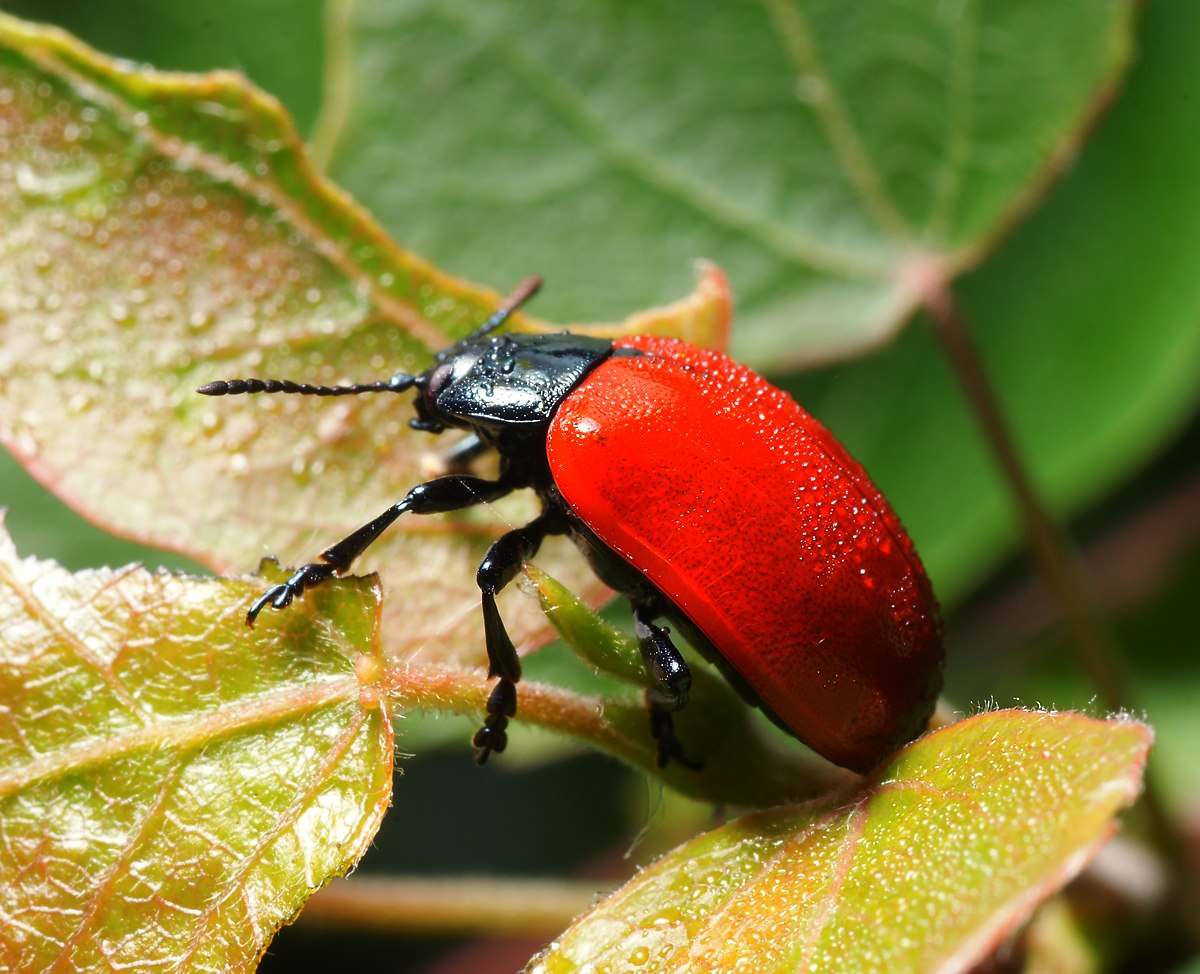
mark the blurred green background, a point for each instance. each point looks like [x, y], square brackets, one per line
[1087, 314]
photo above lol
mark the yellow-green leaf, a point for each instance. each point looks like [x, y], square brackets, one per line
[171, 788]
[935, 858]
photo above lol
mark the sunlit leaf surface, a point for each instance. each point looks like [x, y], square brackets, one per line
[939, 855]
[171, 790]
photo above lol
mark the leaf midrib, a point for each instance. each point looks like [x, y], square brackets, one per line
[182, 734]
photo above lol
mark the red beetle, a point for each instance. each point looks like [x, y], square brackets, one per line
[705, 495]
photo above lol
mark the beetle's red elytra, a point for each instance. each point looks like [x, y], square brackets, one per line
[764, 535]
[706, 496]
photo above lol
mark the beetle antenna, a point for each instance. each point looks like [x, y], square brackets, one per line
[397, 383]
[524, 291]
[237, 387]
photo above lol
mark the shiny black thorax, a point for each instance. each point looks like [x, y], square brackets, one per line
[506, 389]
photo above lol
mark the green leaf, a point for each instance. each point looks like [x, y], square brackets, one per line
[936, 858]
[161, 231]
[171, 788]
[820, 149]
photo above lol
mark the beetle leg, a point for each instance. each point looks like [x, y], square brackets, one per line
[458, 458]
[437, 496]
[499, 566]
[669, 692]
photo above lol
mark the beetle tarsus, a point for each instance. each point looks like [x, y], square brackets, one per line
[662, 730]
[281, 596]
[492, 736]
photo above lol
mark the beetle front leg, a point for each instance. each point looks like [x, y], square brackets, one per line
[435, 497]
[499, 566]
[669, 692]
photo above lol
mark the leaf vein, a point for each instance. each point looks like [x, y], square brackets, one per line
[797, 38]
[670, 180]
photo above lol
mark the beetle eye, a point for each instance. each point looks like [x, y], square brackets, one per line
[438, 380]
[431, 388]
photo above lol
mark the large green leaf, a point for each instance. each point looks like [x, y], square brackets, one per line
[171, 791]
[817, 148]
[942, 853]
[160, 231]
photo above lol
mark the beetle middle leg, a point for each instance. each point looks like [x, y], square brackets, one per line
[451, 493]
[669, 692]
[499, 566]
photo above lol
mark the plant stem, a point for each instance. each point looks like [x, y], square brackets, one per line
[464, 905]
[1088, 634]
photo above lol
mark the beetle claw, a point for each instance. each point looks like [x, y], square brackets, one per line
[281, 596]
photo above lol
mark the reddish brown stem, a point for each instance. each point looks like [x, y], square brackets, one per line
[1088, 634]
[464, 905]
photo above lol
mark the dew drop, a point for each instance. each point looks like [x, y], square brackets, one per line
[25, 445]
[199, 320]
[58, 183]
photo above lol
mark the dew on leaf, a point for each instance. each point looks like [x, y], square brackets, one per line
[200, 320]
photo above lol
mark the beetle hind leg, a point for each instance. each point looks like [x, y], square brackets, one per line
[669, 692]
